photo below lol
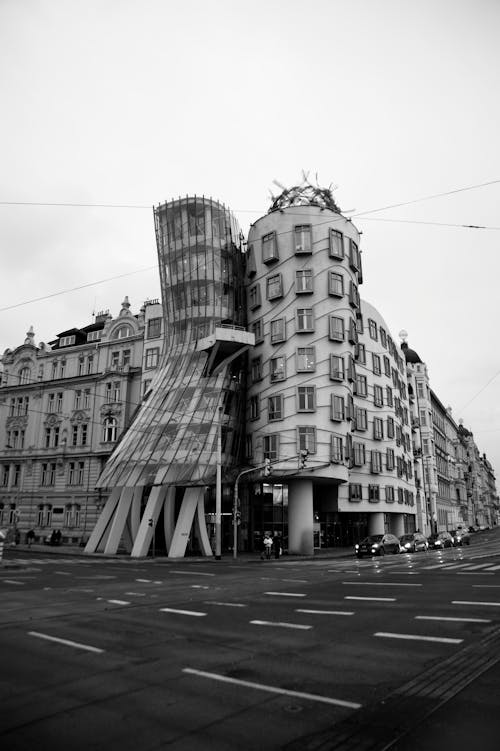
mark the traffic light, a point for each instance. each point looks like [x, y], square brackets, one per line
[303, 458]
[267, 469]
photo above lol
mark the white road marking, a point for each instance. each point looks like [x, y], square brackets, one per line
[272, 689]
[445, 618]
[486, 586]
[282, 624]
[376, 599]
[470, 602]
[285, 594]
[136, 594]
[226, 604]
[182, 612]
[62, 573]
[384, 584]
[477, 566]
[475, 573]
[144, 581]
[493, 568]
[67, 642]
[11, 581]
[324, 612]
[199, 586]
[118, 602]
[296, 581]
[191, 573]
[416, 637]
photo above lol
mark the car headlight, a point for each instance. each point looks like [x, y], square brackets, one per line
[375, 545]
[407, 544]
[356, 547]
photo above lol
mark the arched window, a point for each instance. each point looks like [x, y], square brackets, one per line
[122, 332]
[24, 376]
[109, 429]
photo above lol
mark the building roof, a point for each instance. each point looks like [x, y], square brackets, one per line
[410, 355]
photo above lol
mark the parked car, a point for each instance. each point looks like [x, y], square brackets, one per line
[460, 537]
[412, 543]
[440, 540]
[377, 545]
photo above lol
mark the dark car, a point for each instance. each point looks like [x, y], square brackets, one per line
[460, 537]
[440, 540]
[377, 545]
[412, 543]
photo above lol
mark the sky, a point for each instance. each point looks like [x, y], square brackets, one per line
[123, 104]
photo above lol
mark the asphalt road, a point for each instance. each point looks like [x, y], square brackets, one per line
[202, 654]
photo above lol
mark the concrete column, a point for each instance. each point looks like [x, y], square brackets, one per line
[376, 523]
[397, 524]
[300, 517]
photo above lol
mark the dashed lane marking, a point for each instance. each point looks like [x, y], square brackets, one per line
[226, 604]
[446, 618]
[324, 612]
[272, 689]
[182, 612]
[417, 637]
[192, 573]
[66, 642]
[471, 602]
[11, 581]
[384, 584]
[282, 624]
[372, 599]
[285, 594]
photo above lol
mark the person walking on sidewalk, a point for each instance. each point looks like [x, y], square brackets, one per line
[276, 545]
[268, 544]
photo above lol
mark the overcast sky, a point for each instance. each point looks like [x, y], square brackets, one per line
[133, 102]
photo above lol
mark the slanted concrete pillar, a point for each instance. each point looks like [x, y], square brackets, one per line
[300, 517]
[397, 524]
[376, 523]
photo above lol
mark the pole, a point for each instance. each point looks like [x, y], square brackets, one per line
[235, 519]
[218, 491]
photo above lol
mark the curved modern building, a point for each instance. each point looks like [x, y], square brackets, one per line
[327, 405]
[164, 468]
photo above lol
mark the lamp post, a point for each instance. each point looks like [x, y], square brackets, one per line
[218, 491]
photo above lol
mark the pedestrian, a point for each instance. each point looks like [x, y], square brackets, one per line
[30, 537]
[268, 544]
[276, 545]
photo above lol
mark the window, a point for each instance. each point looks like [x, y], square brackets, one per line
[303, 281]
[109, 429]
[355, 491]
[269, 248]
[336, 329]
[389, 494]
[125, 357]
[361, 354]
[378, 396]
[390, 427]
[360, 419]
[51, 405]
[4, 475]
[335, 284]
[383, 337]
[86, 399]
[354, 300]
[152, 357]
[274, 287]
[336, 368]
[302, 238]
[251, 265]
[90, 364]
[16, 475]
[24, 376]
[48, 473]
[278, 368]
[153, 328]
[306, 398]
[373, 493]
[66, 341]
[361, 385]
[52, 437]
[359, 456]
[423, 417]
[389, 459]
[337, 408]
[336, 449]
[122, 332]
[271, 447]
[278, 330]
[81, 366]
[93, 336]
[378, 428]
[336, 244]
[305, 319]
[306, 439]
[388, 396]
[254, 300]
[376, 364]
[306, 359]
[115, 359]
[75, 473]
[387, 363]
[62, 368]
[400, 495]
[256, 372]
[354, 256]
[376, 462]
[254, 408]
[258, 331]
[372, 328]
[275, 407]
[352, 335]
[420, 390]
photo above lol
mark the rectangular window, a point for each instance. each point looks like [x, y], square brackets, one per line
[387, 364]
[378, 396]
[337, 408]
[271, 447]
[254, 299]
[256, 372]
[360, 419]
[359, 456]
[373, 493]
[90, 364]
[336, 244]
[251, 265]
[389, 494]
[278, 330]
[390, 427]
[336, 368]
[254, 408]
[305, 319]
[75, 473]
[66, 341]
[306, 439]
[258, 330]
[94, 336]
[361, 354]
[423, 417]
[383, 337]
[376, 462]
[306, 360]
[336, 329]
[335, 284]
[78, 399]
[306, 398]
[352, 334]
[278, 368]
[355, 491]
[372, 328]
[376, 364]
[389, 459]
[400, 495]
[86, 399]
[304, 281]
[361, 385]
[48, 473]
[115, 359]
[274, 287]
[116, 391]
[126, 357]
[275, 407]
[302, 238]
[269, 248]
[353, 256]
[154, 328]
[388, 396]
[51, 406]
[336, 449]
[152, 357]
